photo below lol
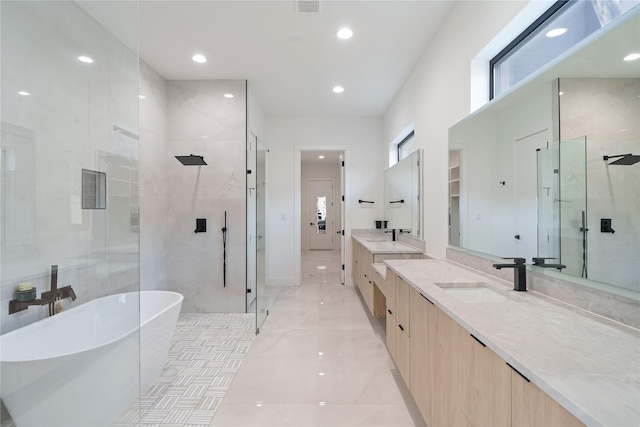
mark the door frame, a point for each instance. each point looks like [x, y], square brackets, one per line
[297, 195]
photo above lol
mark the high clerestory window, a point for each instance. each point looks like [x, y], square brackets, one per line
[563, 25]
[406, 146]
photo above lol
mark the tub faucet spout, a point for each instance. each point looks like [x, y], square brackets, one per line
[55, 292]
[46, 298]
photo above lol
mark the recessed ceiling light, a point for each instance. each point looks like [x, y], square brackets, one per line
[344, 33]
[142, 96]
[338, 89]
[23, 93]
[200, 59]
[556, 32]
[228, 95]
[632, 57]
[85, 59]
[321, 267]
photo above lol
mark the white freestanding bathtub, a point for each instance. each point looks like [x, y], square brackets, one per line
[85, 366]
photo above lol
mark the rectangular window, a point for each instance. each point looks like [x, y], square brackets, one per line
[406, 146]
[562, 26]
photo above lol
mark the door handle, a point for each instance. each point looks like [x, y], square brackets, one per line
[517, 237]
[311, 223]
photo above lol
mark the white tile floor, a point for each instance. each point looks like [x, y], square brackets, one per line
[319, 360]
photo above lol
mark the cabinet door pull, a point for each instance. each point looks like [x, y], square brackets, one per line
[426, 299]
[481, 343]
[390, 312]
[518, 372]
[401, 328]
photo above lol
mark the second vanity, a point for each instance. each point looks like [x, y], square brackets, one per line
[474, 352]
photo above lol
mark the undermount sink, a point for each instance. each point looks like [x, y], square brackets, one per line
[379, 239]
[472, 292]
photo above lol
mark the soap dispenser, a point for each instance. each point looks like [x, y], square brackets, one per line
[59, 306]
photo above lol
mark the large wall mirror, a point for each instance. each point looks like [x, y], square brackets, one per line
[552, 168]
[402, 201]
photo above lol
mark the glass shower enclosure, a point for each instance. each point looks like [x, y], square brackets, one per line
[69, 209]
[562, 205]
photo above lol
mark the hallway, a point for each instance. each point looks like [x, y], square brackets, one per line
[319, 360]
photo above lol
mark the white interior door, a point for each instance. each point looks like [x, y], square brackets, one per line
[321, 213]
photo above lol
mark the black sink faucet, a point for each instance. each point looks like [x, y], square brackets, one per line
[519, 273]
[393, 233]
[541, 262]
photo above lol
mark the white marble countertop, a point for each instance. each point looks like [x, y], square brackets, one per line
[381, 269]
[382, 244]
[588, 364]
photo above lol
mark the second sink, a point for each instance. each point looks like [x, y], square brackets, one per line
[472, 292]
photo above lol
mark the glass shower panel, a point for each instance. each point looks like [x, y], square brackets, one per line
[548, 184]
[69, 102]
[573, 206]
[262, 297]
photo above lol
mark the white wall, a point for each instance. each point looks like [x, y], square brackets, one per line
[360, 137]
[436, 95]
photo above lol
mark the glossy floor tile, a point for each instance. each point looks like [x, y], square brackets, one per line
[319, 360]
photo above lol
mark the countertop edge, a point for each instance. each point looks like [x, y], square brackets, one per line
[395, 247]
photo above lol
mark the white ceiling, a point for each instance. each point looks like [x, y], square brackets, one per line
[330, 157]
[293, 60]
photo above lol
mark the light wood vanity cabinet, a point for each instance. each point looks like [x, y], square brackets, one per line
[531, 407]
[488, 385]
[391, 320]
[419, 359]
[466, 383]
[404, 330]
[371, 285]
[398, 324]
[362, 260]
[456, 380]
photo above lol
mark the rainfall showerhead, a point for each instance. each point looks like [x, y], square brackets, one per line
[624, 159]
[191, 160]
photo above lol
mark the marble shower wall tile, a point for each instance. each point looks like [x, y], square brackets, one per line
[203, 122]
[154, 201]
[606, 111]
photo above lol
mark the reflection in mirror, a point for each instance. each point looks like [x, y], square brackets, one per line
[17, 186]
[402, 205]
[321, 213]
[549, 170]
